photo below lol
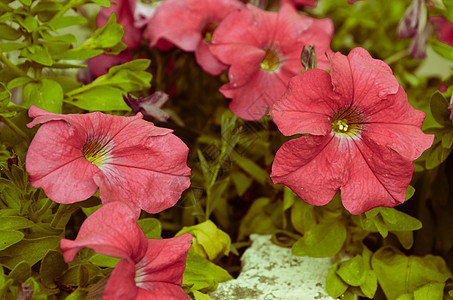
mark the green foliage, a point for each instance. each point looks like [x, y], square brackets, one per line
[208, 240]
[399, 274]
[201, 274]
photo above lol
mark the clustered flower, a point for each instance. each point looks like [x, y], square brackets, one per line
[359, 132]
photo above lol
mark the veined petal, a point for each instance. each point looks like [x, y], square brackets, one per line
[149, 171]
[111, 230]
[164, 261]
[164, 291]
[121, 284]
[378, 176]
[361, 80]
[312, 166]
[208, 62]
[307, 106]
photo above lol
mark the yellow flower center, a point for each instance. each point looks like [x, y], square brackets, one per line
[271, 60]
[95, 152]
[347, 122]
[208, 30]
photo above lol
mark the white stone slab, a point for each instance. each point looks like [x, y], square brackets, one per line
[271, 272]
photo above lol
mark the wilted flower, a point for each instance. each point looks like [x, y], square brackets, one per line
[311, 3]
[149, 268]
[413, 25]
[149, 106]
[362, 134]
[444, 29]
[263, 49]
[189, 24]
[127, 158]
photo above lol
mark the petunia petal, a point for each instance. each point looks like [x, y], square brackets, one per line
[307, 105]
[312, 167]
[361, 80]
[164, 291]
[146, 170]
[121, 284]
[208, 62]
[378, 176]
[164, 262]
[111, 230]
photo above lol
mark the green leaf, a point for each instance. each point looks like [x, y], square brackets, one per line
[52, 266]
[399, 274]
[78, 54]
[201, 274]
[26, 2]
[200, 296]
[38, 54]
[406, 238]
[323, 240]
[14, 223]
[18, 82]
[303, 216]
[104, 260]
[369, 284]
[66, 38]
[444, 50]
[10, 238]
[151, 228]
[9, 33]
[100, 98]
[20, 273]
[29, 23]
[66, 21]
[352, 271]
[241, 182]
[399, 221]
[104, 3]
[335, 286]
[431, 291]
[409, 192]
[28, 250]
[439, 109]
[250, 167]
[5, 96]
[8, 47]
[208, 240]
[46, 94]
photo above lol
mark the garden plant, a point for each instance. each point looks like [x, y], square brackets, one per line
[142, 142]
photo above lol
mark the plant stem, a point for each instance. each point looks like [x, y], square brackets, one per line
[395, 57]
[14, 127]
[12, 66]
[65, 8]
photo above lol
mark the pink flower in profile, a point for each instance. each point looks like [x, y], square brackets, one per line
[444, 29]
[149, 268]
[189, 24]
[362, 134]
[127, 158]
[263, 49]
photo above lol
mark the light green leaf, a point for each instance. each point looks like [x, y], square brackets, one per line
[151, 228]
[10, 238]
[100, 98]
[335, 286]
[208, 240]
[18, 82]
[201, 274]
[46, 94]
[104, 260]
[78, 54]
[431, 291]
[14, 223]
[26, 2]
[323, 240]
[409, 192]
[28, 250]
[241, 182]
[352, 271]
[399, 274]
[303, 216]
[66, 21]
[107, 36]
[406, 238]
[38, 54]
[8, 47]
[200, 296]
[444, 50]
[369, 284]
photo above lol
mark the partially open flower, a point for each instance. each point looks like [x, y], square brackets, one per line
[149, 268]
[263, 49]
[127, 158]
[362, 134]
[189, 24]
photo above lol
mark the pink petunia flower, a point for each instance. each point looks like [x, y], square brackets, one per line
[189, 24]
[263, 49]
[149, 268]
[362, 134]
[127, 158]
